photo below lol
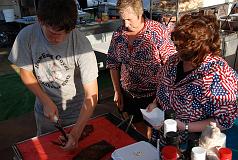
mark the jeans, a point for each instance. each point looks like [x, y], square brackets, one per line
[44, 125]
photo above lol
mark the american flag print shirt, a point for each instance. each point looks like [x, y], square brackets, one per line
[138, 64]
[207, 92]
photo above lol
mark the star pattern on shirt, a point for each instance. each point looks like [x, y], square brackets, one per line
[194, 89]
[162, 95]
[182, 99]
[120, 39]
[154, 36]
[136, 43]
[143, 56]
[172, 72]
[217, 88]
[209, 108]
[208, 91]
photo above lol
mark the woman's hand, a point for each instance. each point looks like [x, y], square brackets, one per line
[118, 99]
[180, 125]
[151, 106]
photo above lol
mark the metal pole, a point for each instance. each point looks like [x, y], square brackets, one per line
[151, 1]
[177, 10]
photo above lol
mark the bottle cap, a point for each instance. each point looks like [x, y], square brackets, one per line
[225, 154]
[169, 152]
[169, 114]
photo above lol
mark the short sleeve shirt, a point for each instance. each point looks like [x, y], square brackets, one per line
[61, 69]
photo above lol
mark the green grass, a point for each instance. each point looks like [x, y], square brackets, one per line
[15, 98]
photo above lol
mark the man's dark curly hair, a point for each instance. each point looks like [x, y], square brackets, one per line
[195, 36]
[59, 14]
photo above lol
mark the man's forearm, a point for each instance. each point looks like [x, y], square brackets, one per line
[90, 102]
[85, 114]
[32, 84]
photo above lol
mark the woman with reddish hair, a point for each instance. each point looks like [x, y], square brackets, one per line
[197, 83]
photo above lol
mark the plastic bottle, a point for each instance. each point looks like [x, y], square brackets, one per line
[172, 138]
[168, 114]
[193, 141]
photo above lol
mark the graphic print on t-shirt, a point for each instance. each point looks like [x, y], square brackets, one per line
[50, 71]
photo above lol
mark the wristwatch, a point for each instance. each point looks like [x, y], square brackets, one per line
[186, 127]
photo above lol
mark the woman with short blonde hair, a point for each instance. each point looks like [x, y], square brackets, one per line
[137, 5]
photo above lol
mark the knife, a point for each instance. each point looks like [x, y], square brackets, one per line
[60, 128]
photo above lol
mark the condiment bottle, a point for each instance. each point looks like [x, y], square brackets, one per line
[168, 114]
[172, 138]
[193, 141]
[225, 154]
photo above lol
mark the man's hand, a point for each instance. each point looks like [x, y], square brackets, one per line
[72, 142]
[50, 110]
[118, 99]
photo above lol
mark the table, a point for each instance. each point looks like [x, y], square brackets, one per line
[24, 21]
[134, 136]
[105, 128]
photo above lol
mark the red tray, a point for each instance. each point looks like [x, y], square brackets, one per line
[41, 148]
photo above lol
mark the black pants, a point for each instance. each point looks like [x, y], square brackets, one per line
[132, 105]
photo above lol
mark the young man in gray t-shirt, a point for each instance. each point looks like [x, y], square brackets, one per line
[58, 65]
